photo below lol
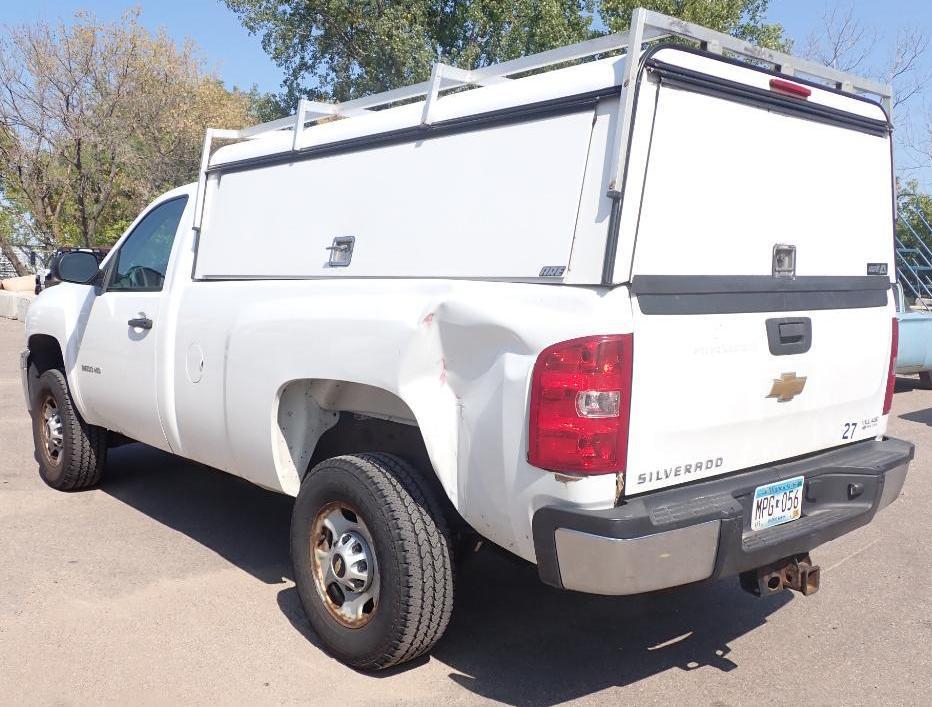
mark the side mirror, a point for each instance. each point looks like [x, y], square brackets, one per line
[77, 267]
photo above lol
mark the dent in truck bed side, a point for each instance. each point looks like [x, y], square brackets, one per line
[457, 354]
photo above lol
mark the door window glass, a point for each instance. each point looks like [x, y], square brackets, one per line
[143, 258]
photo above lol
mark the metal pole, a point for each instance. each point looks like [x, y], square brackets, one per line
[298, 123]
[436, 77]
[202, 179]
[626, 101]
[200, 194]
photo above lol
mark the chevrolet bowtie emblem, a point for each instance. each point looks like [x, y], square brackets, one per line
[787, 387]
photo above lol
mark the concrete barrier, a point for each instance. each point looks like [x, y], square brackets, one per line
[26, 283]
[13, 305]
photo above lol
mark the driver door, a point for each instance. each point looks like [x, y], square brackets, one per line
[117, 362]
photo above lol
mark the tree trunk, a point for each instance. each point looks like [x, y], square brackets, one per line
[82, 204]
[12, 256]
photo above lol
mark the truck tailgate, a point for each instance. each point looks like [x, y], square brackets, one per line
[723, 411]
[762, 327]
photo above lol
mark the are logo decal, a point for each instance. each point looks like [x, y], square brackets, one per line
[552, 271]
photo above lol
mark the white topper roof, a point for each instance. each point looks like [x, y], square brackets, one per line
[583, 78]
[495, 88]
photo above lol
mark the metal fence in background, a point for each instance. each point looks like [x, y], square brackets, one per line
[914, 256]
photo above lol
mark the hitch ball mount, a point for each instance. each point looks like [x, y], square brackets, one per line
[796, 573]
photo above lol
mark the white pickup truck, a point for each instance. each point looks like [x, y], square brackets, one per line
[628, 318]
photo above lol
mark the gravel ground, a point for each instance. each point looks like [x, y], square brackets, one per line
[171, 583]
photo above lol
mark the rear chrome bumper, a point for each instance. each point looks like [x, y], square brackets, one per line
[24, 377]
[702, 530]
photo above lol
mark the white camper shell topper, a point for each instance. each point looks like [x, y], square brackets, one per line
[621, 318]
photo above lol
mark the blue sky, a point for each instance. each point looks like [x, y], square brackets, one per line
[238, 57]
[224, 44]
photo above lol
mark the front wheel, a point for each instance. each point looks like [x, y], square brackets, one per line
[372, 559]
[70, 452]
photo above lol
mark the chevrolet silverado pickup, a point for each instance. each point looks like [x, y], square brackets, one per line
[623, 313]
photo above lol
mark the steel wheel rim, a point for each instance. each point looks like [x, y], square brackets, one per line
[345, 568]
[53, 431]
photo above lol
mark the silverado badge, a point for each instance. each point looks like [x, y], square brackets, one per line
[787, 387]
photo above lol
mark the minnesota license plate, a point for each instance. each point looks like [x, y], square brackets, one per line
[777, 503]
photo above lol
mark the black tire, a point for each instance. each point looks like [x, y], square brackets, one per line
[412, 549]
[925, 380]
[75, 460]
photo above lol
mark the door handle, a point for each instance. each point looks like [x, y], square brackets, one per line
[141, 322]
[789, 336]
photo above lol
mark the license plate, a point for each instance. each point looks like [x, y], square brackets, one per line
[777, 503]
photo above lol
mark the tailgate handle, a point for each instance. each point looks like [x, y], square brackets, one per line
[792, 332]
[789, 335]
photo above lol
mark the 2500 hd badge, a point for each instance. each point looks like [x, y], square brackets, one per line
[673, 472]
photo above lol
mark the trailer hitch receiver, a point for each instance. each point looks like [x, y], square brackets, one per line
[796, 573]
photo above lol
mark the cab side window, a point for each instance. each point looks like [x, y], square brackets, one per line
[141, 261]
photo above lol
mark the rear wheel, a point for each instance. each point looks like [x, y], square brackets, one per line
[372, 559]
[70, 452]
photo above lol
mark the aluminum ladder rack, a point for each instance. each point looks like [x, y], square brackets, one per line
[646, 26]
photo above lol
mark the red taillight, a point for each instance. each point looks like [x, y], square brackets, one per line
[891, 371]
[790, 88]
[580, 405]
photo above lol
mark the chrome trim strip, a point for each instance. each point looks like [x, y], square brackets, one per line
[616, 566]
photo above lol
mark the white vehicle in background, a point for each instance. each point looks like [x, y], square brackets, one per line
[599, 315]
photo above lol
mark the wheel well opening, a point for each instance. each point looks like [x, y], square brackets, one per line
[45, 353]
[355, 434]
[319, 419]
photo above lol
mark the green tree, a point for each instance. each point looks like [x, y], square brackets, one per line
[342, 49]
[98, 118]
[744, 19]
[267, 106]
